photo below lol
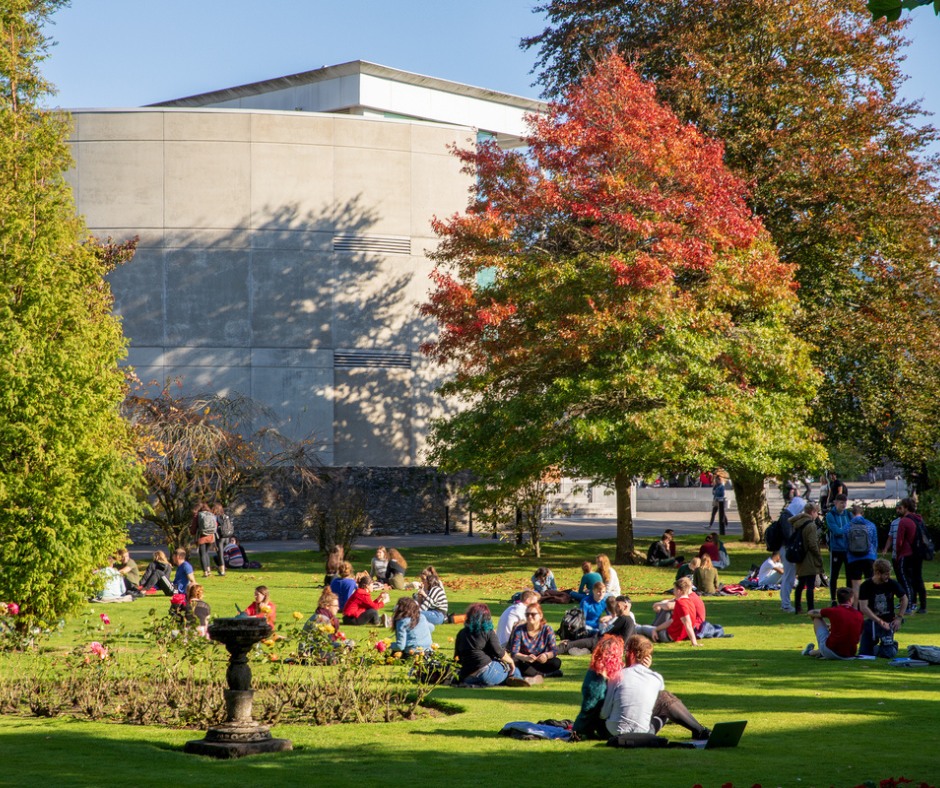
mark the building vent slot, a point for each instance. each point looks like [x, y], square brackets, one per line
[372, 244]
[348, 359]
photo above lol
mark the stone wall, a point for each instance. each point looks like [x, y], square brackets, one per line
[398, 500]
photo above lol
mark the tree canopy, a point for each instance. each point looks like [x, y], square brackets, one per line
[637, 313]
[805, 97]
[68, 479]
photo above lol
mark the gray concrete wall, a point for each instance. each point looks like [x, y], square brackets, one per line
[274, 247]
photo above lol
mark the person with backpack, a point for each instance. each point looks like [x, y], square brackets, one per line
[788, 581]
[876, 601]
[838, 521]
[204, 527]
[861, 541]
[910, 542]
[225, 534]
[803, 551]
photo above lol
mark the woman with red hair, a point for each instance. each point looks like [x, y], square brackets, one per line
[606, 663]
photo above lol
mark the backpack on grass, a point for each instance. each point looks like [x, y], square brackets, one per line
[573, 625]
[796, 550]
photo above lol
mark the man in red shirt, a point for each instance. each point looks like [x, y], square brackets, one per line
[839, 638]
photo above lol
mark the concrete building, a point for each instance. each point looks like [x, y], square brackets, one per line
[283, 229]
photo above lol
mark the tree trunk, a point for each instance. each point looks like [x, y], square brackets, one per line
[752, 503]
[625, 548]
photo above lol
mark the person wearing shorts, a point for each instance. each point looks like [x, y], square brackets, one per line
[858, 566]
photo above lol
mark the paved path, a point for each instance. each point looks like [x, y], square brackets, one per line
[646, 526]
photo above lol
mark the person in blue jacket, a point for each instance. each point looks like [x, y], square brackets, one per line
[838, 521]
[595, 606]
[860, 565]
[412, 630]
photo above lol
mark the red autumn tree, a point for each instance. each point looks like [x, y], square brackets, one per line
[635, 313]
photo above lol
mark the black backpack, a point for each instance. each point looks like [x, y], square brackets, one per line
[796, 550]
[773, 536]
[573, 625]
[226, 526]
[923, 544]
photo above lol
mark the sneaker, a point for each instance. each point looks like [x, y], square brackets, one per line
[555, 674]
[512, 681]
[921, 611]
[809, 647]
[702, 735]
[386, 620]
[787, 609]
[150, 592]
[561, 647]
[533, 680]
[579, 652]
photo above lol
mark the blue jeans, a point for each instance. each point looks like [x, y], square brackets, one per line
[435, 617]
[493, 674]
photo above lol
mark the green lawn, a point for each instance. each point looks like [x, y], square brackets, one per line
[811, 723]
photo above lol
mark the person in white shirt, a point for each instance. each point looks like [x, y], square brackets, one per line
[770, 572]
[637, 700]
[513, 615]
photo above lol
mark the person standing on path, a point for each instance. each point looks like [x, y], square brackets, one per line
[718, 504]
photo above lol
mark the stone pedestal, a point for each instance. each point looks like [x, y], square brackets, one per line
[239, 735]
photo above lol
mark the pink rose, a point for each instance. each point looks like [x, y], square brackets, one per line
[98, 649]
[13, 608]
[104, 618]
[380, 646]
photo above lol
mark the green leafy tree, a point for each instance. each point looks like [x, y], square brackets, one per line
[638, 315]
[804, 95]
[891, 9]
[68, 478]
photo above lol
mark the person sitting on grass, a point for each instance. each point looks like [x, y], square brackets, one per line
[839, 638]
[334, 560]
[514, 615]
[588, 579]
[544, 580]
[770, 574]
[113, 588]
[431, 596]
[197, 610]
[127, 568]
[362, 609]
[594, 606]
[688, 569]
[876, 601]
[606, 664]
[379, 566]
[660, 554]
[621, 624]
[532, 645]
[705, 578]
[608, 575]
[681, 624]
[157, 576]
[395, 571]
[412, 629]
[483, 661]
[325, 617]
[637, 700]
[262, 606]
[184, 572]
[344, 585]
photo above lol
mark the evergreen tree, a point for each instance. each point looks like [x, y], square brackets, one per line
[69, 482]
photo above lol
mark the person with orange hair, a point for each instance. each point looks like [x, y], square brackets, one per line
[606, 663]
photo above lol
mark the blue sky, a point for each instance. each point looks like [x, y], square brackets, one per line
[126, 53]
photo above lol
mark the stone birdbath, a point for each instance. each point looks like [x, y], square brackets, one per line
[239, 735]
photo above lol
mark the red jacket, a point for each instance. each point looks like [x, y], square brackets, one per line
[907, 530]
[360, 602]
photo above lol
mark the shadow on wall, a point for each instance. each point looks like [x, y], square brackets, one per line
[310, 314]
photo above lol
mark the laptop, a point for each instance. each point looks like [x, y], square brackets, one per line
[724, 734]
